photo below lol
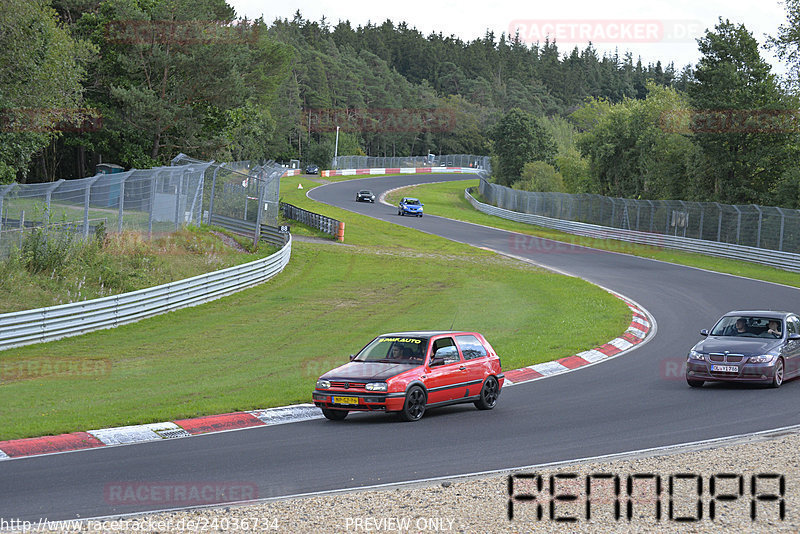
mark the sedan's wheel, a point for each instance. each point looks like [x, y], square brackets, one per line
[694, 383]
[400, 213]
[777, 379]
[414, 407]
[334, 415]
[489, 394]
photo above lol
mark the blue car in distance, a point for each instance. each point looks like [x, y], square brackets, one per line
[410, 206]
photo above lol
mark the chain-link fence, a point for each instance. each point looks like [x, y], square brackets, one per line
[452, 160]
[748, 225]
[241, 190]
[155, 200]
[152, 201]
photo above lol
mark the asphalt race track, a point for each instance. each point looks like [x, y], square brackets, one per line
[628, 403]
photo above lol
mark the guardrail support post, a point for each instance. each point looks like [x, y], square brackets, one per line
[340, 232]
[738, 223]
[758, 235]
[121, 207]
[213, 190]
[702, 216]
[86, 198]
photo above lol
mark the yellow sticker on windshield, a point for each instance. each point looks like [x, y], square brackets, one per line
[400, 340]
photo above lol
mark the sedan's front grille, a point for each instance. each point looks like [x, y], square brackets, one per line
[730, 358]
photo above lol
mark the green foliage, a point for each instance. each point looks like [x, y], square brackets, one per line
[520, 138]
[45, 251]
[738, 165]
[199, 89]
[41, 68]
[540, 176]
[255, 99]
[320, 153]
[631, 154]
[575, 170]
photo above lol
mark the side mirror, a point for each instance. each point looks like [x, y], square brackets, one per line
[794, 336]
[703, 332]
[352, 357]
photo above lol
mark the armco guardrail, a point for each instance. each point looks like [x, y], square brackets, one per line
[314, 220]
[774, 258]
[56, 322]
[399, 170]
[268, 234]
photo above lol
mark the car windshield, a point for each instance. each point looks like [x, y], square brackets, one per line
[393, 349]
[412, 201]
[365, 192]
[748, 326]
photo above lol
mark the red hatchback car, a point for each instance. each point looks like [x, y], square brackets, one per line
[409, 372]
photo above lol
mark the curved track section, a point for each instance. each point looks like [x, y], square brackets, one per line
[632, 402]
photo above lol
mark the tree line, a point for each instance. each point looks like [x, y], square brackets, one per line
[730, 134]
[156, 83]
[134, 82]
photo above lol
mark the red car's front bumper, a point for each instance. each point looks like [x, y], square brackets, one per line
[364, 402]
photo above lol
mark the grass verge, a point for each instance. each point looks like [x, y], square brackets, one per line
[266, 346]
[74, 271]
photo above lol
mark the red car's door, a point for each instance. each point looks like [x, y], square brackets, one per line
[474, 355]
[446, 376]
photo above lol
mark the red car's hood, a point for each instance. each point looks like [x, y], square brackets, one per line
[367, 371]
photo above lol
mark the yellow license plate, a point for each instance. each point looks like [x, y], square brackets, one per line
[345, 400]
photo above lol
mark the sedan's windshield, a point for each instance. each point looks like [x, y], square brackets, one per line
[412, 202]
[389, 349]
[365, 192]
[748, 326]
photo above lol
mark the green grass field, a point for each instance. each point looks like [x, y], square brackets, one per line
[267, 345]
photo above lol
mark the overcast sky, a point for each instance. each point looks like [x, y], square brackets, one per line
[655, 30]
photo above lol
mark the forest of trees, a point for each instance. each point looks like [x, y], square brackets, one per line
[134, 82]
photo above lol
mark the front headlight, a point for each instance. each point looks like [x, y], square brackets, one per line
[764, 358]
[694, 355]
[323, 384]
[376, 386]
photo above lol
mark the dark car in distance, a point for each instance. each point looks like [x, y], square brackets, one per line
[365, 195]
[747, 346]
[410, 206]
[312, 169]
[409, 372]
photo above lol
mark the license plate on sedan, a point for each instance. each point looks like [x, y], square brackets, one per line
[345, 400]
[725, 368]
